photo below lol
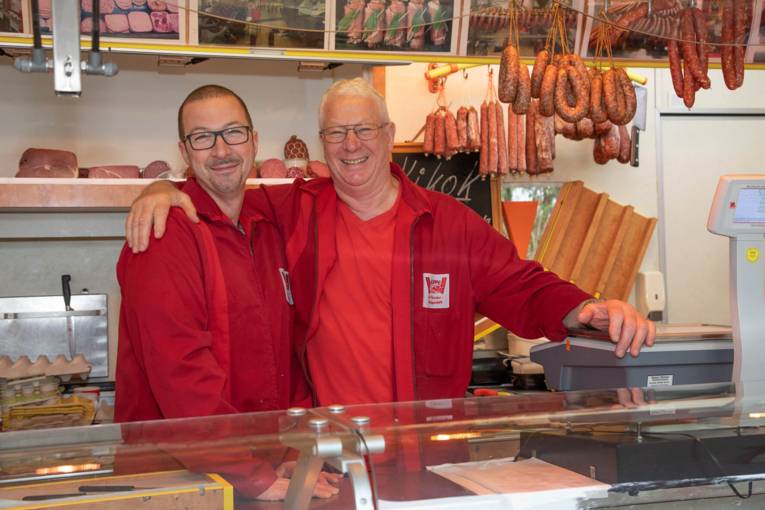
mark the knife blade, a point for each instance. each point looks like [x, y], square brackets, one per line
[67, 293]
[44, 497]
[112, 488]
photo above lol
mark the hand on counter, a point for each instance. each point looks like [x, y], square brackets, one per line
[631, 398]
[325, 486]
[625, 326]
[151, 208]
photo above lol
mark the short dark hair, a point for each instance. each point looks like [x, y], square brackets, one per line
[207, 92]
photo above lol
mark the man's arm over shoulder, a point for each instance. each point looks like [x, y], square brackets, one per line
[518, 293]
[165, 309]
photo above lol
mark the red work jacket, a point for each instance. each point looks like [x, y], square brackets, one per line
[205, 323]
[447, 264]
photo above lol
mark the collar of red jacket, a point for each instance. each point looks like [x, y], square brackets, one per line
[411, 194]
[208, 208]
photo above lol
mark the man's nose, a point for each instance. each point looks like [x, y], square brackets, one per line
[351, 140]
[221, 147]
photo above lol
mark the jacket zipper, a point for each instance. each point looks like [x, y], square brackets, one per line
[304, 348]
[411, 305]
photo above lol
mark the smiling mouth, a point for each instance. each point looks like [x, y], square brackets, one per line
[223, 167]
[354, 161]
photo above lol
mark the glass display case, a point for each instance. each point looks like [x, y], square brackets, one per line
[692, 447]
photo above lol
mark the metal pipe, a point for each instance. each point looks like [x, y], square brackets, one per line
[95, 64]
[38, 63]
[96, 32]
[37, 39]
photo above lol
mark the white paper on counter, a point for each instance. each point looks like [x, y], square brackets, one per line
[526, 484]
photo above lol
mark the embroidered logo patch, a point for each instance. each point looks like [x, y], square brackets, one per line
[286, 284]
[435, 290]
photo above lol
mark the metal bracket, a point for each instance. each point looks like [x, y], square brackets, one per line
[66, 47]
[66, 64]
[325, 446]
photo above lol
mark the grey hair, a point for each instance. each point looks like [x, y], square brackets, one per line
[355, 87]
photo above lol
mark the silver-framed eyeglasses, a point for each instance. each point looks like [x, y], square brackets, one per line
[203, 140]
[365, 132]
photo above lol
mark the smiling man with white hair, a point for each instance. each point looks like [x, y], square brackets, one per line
[387, 276]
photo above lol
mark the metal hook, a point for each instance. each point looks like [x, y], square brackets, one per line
[605, 6]
[650, 7]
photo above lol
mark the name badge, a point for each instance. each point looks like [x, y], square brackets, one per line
[435, 290]
[286, 284]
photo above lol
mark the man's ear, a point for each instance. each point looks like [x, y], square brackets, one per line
[184, 153]
[391, 127]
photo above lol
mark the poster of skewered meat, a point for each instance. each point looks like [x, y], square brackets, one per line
[153, 20]
[485, 28]
[651, 23]
[12, 17]
[425, 26]
[260, 23]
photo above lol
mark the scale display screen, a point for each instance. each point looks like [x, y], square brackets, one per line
[750, 206]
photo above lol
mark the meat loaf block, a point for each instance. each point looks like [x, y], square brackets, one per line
[86, 5]
[124, 4]
[86, 25]
[158, 5]
[161, 22]
[173, 18]
[273, 169]
[114, 172]
[47, 163]
[317, 169]
[140, 22]
[117, 23]
[139, 3]
[156, 169]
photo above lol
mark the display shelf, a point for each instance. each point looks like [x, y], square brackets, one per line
[182, 50]
[30, 194]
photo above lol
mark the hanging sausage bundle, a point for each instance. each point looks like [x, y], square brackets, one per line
[736, 17]
[688, 61]
[560, 81]
[445, 135]
[493, 157]
[514, 85]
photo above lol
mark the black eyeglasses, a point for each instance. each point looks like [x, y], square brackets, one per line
[204, 140]
[365, 132]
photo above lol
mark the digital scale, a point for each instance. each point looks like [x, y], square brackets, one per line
[682, 354]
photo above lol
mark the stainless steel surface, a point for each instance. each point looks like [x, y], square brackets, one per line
[66, 47]
[49, 315]
[35, 336]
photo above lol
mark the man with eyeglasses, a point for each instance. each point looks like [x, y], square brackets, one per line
[206, 314]
[387, 276]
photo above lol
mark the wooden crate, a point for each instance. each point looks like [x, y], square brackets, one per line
[594, 242]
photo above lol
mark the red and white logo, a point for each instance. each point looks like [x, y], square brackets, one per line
[435, 290]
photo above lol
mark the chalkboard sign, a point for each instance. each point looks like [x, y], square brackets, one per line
[457, 177]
